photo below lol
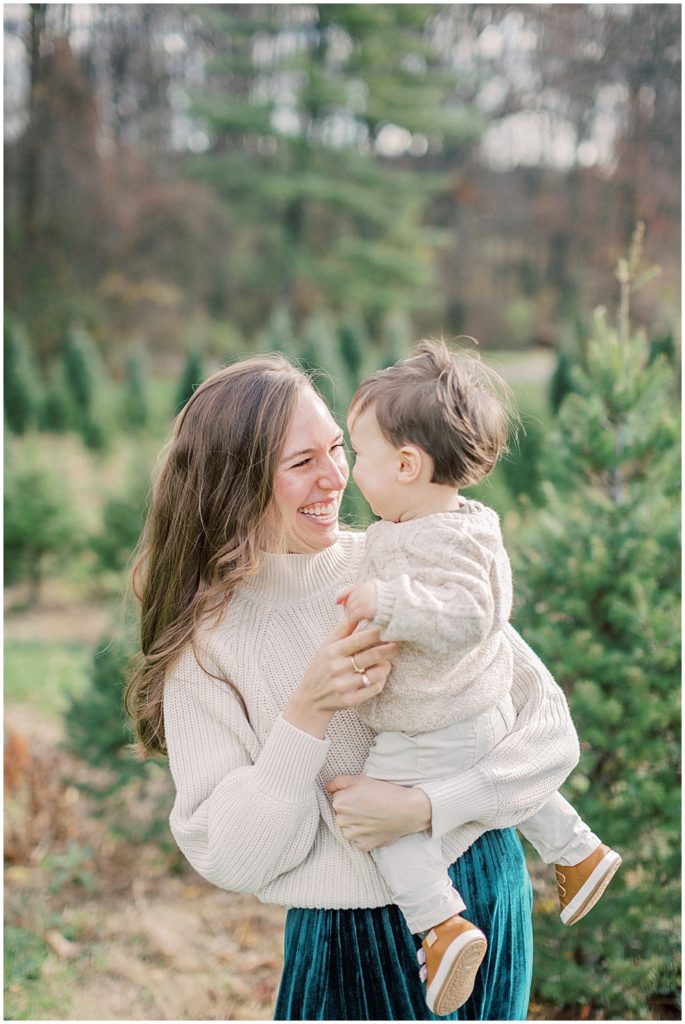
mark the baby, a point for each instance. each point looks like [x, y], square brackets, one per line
[437, 578]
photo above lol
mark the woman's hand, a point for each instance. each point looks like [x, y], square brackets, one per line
[372, 813]
[348, 669]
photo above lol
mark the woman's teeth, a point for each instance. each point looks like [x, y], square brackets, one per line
[319, 511]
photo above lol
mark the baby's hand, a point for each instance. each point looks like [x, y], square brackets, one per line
[360, 601]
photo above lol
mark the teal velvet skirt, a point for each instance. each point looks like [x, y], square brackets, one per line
[361, 964]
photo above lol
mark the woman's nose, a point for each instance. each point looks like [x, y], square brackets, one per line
[333, 476]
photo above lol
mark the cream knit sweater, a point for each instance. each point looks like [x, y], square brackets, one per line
[250, 812]
[444, 592]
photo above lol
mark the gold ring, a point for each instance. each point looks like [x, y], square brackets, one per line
[355, 666]
[365, 679]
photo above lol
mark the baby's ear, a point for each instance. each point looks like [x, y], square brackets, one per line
[411, 461]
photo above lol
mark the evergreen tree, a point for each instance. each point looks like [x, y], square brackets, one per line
[521, 467]
[99, 733]
[663, 343]
[304, 107]
[396, 339]
[123, 517]
[41, 529]
[193, 372]
[93, 434]
[20, 380]
[598, 599]
[279, 334]
[78, 372]
[81, 366]
[319, 353]
[97, 728]
[561, 382]
[353, 343]
[55, 410]
[136, 411]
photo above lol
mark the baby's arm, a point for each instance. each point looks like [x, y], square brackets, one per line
[446, 605]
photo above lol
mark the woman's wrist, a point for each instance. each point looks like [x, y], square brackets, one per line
[307, 718]
[422, 809]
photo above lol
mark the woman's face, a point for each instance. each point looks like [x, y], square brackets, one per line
[310, 478]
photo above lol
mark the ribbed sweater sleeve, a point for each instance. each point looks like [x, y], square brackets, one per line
[515, 778]
[242, 816]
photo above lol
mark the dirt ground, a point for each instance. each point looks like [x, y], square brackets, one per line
[132, 933]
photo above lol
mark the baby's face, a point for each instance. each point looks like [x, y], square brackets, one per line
[375, 466]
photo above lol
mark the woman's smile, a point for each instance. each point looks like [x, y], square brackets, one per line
[310, 479]
[323, 512]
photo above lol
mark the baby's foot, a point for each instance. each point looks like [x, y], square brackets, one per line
[581, 885]
[450, 954]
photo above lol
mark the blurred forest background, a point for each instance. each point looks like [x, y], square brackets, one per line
[188, 184]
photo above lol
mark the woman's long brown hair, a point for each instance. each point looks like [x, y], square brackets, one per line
[206, 523]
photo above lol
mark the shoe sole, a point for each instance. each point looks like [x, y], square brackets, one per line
[454, 979]
[590, 893]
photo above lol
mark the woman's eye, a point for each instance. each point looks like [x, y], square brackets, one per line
[305, 462]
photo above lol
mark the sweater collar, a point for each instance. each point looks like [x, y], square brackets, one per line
[286, 578]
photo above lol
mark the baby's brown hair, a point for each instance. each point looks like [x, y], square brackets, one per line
[448, 403]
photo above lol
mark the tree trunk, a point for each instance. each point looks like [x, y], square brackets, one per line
[37, 22]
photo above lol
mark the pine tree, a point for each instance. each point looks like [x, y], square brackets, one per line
[320, 354]
[561, 382]
[78, 372]
[41, 528]
[80, 367]
[300, 103]
[93, 434]
[279, 334]
[193, 372]
[396, 339]
[123, 516]
[20, 380]
[55, 411]
[97, 728]
[136, 411]
[520, 467]
[598, 599]
[663, 343]
[353, 344]
[98, 732]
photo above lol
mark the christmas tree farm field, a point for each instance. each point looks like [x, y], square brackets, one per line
[101, 928]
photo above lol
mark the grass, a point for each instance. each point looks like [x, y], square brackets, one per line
[44, 675]
[25, 954]
[37, 986]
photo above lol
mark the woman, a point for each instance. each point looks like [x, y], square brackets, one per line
[249, 681]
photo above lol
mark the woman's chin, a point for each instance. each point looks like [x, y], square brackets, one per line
[312, 536]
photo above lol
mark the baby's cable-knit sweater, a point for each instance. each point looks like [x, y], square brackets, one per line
[251, 814]
[444, 591]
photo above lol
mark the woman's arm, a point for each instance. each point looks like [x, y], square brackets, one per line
[244, 815]
[241, 816]
[507, 785]
[515, 778]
